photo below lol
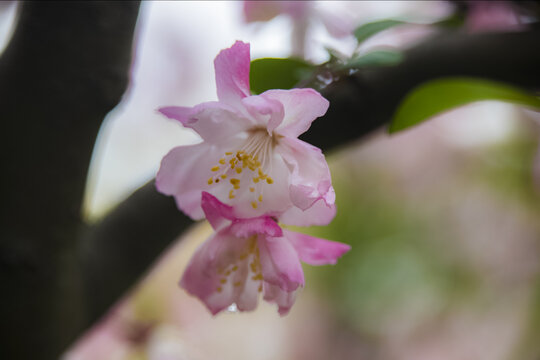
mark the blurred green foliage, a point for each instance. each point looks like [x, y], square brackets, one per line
[436, 96]
[373, 58]
[273, 73]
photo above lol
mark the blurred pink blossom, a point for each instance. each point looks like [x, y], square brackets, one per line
[267, 10]
[492, 16]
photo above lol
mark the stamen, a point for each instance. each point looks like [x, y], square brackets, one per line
[222, 161]
[210, 181]
[254, 204]
[215, 168]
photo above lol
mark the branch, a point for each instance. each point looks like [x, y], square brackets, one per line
[147, 221]
[367, 100]
[65, 68]
[117, 251]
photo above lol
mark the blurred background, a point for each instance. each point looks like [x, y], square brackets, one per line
[442, 218]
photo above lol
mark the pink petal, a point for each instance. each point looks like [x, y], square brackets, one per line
[232, 73]
[320, 213]
[216, 211]
[265, 111]
[205, 270]
[213, 121]
[184, 173]
[311, 184]
[301, 107]
[280, 264]
[262, 225]
[315, 251]
[284, 300]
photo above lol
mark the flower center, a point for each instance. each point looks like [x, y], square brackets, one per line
[250, 255]
[248, 167]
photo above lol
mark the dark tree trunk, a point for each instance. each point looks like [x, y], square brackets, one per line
[66, 67]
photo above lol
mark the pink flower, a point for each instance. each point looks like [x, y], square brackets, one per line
[248, 256]
[267, 10]
[486, 16]
[250, 156]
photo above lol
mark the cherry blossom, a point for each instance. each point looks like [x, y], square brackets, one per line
[250, 156]
[248, 256]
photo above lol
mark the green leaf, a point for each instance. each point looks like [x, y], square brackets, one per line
[437, 96]
[272, 73]
[367, 30]
[451, 21]
[374, 58]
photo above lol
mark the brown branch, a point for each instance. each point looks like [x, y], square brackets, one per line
[64, 70]
[117, 251]
[367, 100]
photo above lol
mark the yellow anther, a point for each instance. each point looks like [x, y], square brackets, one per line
[237, 284]
[231, 195]
[253, 267]
[252, 244]
[254, 204]
[222, 161]
[260, 172]
[251, 189]
[260, 288]
[219, 289]
[210, 181]
[223, 281]
[234, 181]
[260, 198]
[257, 277]
[228, 272]
[243, 256]
[256, 180]
[224, 176]
[228, 153]
[215, 168]
[236, 187]
[238, 170]
[235, 267]
[269, 180]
